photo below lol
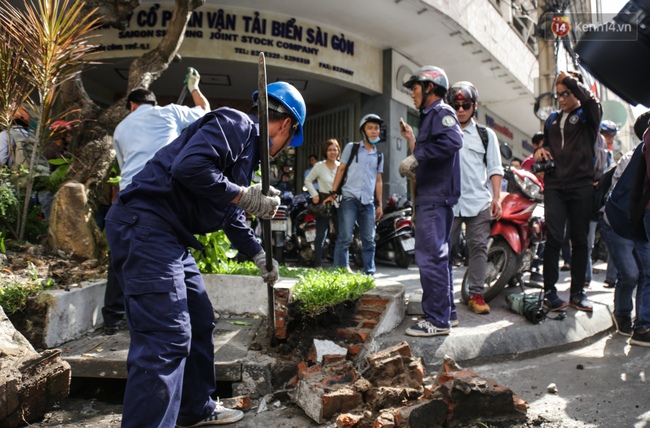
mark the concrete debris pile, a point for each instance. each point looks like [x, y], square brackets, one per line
[30, 383]
[392, 392]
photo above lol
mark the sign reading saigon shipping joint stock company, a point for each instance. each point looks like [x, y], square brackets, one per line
[239, 35]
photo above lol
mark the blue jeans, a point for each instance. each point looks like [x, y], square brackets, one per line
[351, 210]
[622, 253]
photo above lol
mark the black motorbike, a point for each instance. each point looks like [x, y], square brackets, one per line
[300, 242]
[395, 236]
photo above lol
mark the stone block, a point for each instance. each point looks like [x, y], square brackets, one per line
[256, 380]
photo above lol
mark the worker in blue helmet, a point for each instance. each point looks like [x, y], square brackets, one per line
[197, 184]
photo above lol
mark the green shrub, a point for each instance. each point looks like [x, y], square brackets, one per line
[14, 294]
[318, 290]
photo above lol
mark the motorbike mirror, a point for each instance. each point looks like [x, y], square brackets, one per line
[506, 151]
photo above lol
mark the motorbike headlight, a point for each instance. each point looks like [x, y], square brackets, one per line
[529, 187]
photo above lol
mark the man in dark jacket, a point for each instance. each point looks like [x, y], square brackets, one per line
[197, 184]
[569, 138]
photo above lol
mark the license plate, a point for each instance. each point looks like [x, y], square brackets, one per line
[408, 244]
[279, 225]
[310, 235]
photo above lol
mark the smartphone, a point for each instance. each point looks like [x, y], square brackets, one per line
[402, 124]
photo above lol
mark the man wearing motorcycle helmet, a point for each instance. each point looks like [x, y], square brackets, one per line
[198, 183]
[480, 168]
[435, 164]
[363, 166]
[608, 130]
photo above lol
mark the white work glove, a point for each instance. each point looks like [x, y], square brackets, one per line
[254, 202]
[270, 277]
[407, 167]
[192, 79]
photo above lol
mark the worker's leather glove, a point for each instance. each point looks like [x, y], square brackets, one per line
[192, 79]
[254, 202]
[270, 277]
[407, 167]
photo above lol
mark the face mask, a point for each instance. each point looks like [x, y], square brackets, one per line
[375, 141]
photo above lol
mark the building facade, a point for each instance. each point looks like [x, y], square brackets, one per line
[348, 58]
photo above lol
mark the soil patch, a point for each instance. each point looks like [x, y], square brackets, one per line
[302, 330]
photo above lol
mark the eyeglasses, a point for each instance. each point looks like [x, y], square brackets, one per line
[465, 106]
[565, 94]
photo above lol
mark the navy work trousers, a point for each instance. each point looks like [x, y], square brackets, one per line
[432, 250]
[171, 320]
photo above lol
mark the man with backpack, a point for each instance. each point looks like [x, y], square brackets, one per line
[567, 159]
[480, 163]
[362, 166]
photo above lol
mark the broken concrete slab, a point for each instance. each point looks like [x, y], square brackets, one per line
[30, 382]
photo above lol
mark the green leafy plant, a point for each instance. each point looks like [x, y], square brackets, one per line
[14, 294]
[216, 252]
[318, 290]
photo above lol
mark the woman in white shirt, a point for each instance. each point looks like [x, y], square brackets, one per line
[323, 172]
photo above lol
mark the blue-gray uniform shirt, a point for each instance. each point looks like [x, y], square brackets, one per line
[362, 173]
[189, 183]
[475, 174]
[436, 150]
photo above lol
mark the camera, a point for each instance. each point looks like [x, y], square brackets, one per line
[543, 166]
[527, 304]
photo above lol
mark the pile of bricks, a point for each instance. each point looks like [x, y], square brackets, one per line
[392, 393]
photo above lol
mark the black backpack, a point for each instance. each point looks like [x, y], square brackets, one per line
[626, 206]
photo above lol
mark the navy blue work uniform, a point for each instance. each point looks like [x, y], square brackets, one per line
[437, 191]
[185, 189]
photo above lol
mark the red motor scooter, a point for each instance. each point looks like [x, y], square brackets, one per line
[514, 238]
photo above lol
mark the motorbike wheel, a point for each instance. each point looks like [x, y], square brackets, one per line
[402, 258]
[502, 266]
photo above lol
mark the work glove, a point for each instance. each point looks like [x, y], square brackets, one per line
[192, 79]
[254, 202]
[407, 167]
[270, 277]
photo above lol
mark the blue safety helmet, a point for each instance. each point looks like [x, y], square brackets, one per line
[285, 98]
[608, 127]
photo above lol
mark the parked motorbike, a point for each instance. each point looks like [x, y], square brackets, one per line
[514, 238]
[394, 236]
[300, 242]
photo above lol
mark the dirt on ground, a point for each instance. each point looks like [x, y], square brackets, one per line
[23, 263]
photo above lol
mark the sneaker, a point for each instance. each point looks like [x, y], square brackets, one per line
[537, 277]
[623, 325]
[478, 305]
[453, 322]
[553, 303]
[426, 329]
[641, 338]
[609, 284]
[566, 267]
[220, 416]
[580, 302]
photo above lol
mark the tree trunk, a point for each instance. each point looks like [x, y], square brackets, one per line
[94, 152]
